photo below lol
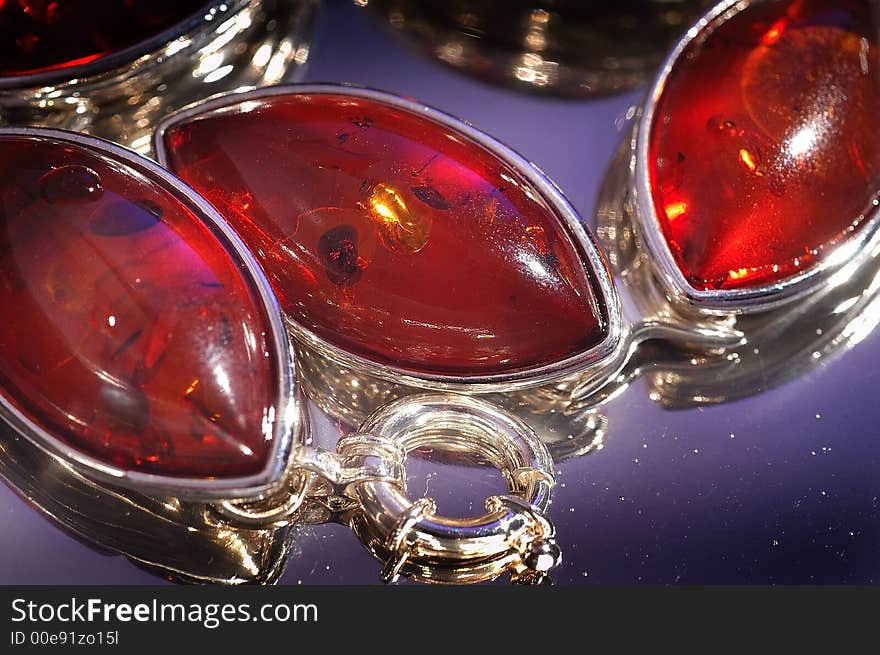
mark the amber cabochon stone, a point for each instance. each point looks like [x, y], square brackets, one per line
[129, 332]
[392, 236]
[764, 153]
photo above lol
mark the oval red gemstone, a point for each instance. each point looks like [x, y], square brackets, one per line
[129, 332]
[42, 35]
[764, 150]
[393, 236]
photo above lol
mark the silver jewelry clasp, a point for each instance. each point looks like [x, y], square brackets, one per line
[514, 533]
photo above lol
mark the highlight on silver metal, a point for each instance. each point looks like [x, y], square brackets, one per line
[146, 529]
[839, 265]
[284, 431]
[562, 209]
[514, 533]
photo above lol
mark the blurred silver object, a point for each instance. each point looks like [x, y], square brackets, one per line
[559, 47]
[234, 44]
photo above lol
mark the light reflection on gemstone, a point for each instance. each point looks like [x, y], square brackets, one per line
[401, 226]
[763, 155]
[70, 184]
[392, 241]
[127, 342]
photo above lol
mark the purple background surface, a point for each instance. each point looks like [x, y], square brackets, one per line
[778, 488]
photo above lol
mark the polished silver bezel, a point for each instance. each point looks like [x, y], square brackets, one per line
[579, 234]
[842, 260]
[287, 424]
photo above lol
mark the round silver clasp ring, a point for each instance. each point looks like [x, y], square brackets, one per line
[410, 537]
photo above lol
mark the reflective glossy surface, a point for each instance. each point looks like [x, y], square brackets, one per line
[130, 333]
[179, 540]
[392, 236]
[43, 35]
[203, 49]
[780, 487]
[764, 153]
[560, 47]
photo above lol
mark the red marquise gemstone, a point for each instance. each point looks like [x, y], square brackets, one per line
[42, 35]
[393, 236]
[765, 152]
[129, 332]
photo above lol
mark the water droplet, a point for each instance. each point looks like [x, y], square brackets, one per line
[70, 185]
[121, 217]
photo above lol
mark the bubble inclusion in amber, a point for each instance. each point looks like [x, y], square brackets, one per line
[37, 36]
[764, 151]
[393, 236]
[129, 332]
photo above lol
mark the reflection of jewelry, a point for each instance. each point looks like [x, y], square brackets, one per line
[210, 47]
[566, 48]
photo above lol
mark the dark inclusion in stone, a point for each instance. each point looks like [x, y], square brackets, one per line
[338, 250]
[396, 244]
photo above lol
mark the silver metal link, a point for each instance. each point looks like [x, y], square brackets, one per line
[513, 535]
[363, 484]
